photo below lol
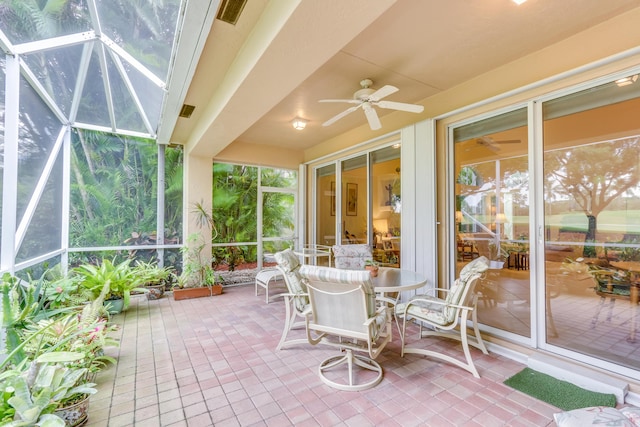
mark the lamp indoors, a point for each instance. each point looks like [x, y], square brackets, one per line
[299, 123]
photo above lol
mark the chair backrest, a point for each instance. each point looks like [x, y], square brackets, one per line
[351, 257]
[463, 288]
[340, 299]
[289, 265]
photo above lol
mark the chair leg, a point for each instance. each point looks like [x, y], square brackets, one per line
[350, 359]
[476, 331]
[468, 364]
[289, 324]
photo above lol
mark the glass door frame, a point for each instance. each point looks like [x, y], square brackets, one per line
[314, 238]
[536, 123]
[259, 209]
[534, 314]
[539, 321]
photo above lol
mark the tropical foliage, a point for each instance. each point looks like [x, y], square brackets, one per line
[49, 353]
[235, 204]
[113, 191]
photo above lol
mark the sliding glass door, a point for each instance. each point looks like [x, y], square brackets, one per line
[362, 204]
[592, 221]
[492, 216]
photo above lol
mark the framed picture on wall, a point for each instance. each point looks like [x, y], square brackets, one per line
[333, 198]
[352, 199]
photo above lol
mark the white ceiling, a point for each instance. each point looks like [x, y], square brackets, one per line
[314, 50]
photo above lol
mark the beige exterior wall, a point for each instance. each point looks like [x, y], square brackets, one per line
[197, 190]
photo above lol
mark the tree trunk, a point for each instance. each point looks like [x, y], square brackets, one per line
[590, 251]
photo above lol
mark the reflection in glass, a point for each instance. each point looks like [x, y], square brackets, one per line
[492, 216]
[592, 222]
[354, 200]
[326, 205]
[386, 198]
[280, 178]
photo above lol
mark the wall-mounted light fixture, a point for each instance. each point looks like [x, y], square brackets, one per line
[299, 123]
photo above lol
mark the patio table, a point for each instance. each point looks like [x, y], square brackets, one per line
[395, 280]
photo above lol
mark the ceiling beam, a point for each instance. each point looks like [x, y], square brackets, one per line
[292, 38]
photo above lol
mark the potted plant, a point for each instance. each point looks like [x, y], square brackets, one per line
[496, 256]
[198, 278]
[372, 267]
[121, 278]
[154, 278]
[37, 392]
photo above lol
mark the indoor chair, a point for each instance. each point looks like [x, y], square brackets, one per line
[447, 317]
[344, 314]
[351, 257]
[296, 299]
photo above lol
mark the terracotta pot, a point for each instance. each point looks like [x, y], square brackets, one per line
[188, 293]
[373, 269]
[216, 290]
[75, 414]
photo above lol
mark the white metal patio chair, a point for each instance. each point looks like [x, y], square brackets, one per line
[296, 299]
[344, 314]
[447, 317]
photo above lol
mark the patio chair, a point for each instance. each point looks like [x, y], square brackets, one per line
[266, 278]
[296, 299]
[351, 257]
[447, 317]
[344, 314]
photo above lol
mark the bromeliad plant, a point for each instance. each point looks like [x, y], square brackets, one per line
[31, 392]
[150, 274]
[121, 278]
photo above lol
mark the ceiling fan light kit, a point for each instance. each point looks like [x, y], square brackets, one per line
[367, 98]
[298, 123]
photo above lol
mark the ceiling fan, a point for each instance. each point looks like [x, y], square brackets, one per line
[367, 98]
[494, 145]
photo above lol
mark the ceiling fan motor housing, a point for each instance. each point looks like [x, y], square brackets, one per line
[363, 94]
[366, 91]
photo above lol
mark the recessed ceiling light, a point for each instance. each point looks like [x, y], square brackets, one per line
[519, 1]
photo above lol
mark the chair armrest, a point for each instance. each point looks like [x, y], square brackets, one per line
[372, 319]
[436, 302]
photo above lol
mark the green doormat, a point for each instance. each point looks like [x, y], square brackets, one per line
[560, 394]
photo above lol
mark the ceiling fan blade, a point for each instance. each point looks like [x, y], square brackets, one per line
[350, 101]
[372, 116]
[411, 108]
[341, 115]
[382, 92]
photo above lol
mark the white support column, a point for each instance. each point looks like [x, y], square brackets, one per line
[10, 173]
[160, 203]
[66, 197]
[426, 225]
